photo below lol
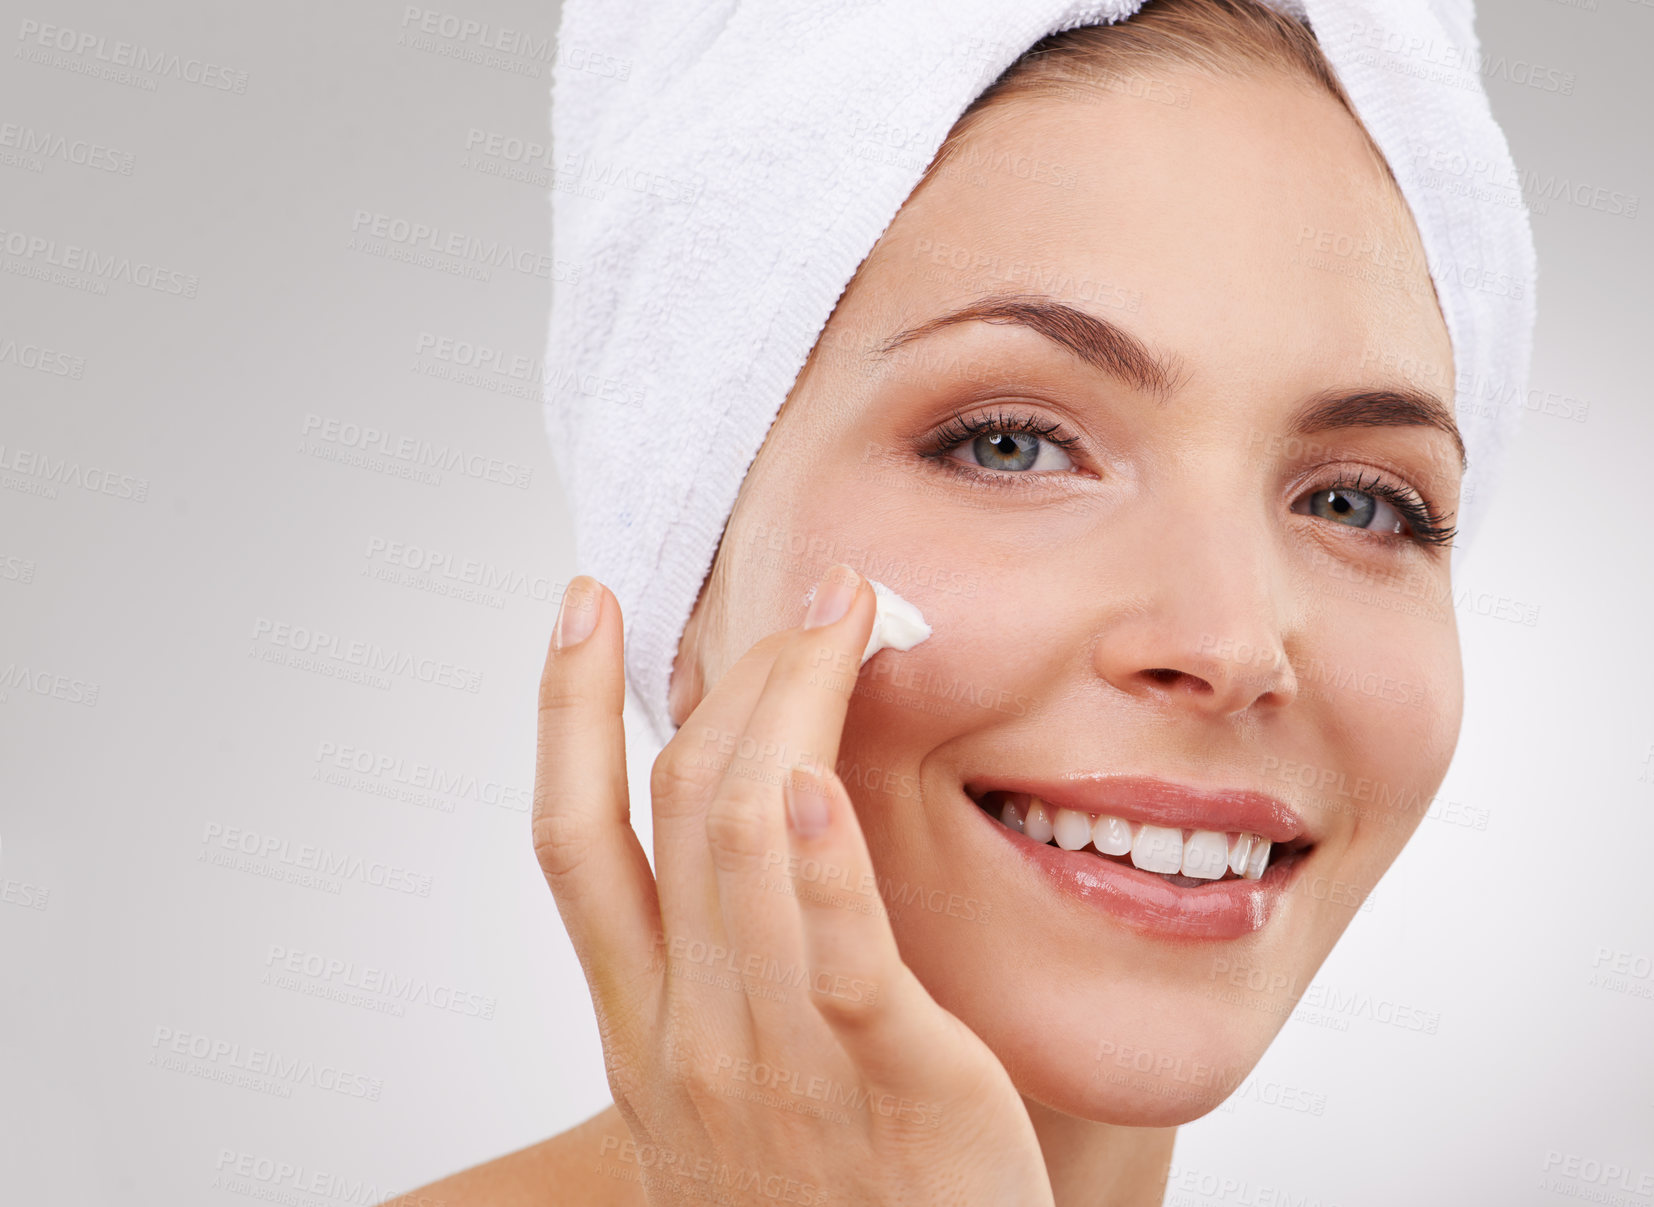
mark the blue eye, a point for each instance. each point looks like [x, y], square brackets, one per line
[1011, 443]
[1014, 451]
[1377, 506]
[1357, 509]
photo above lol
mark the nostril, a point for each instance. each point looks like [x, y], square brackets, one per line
[1170, 677]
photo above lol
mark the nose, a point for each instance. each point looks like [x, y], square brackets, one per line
[1201, 624]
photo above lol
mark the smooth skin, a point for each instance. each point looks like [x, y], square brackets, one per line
[1158, 599]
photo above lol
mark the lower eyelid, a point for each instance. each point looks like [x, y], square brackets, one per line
[993, 477]
[969, 469]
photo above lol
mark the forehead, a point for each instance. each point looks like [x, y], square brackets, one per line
[1245, 226]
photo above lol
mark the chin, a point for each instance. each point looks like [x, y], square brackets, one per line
[1114, 1031]
[1164, 1063]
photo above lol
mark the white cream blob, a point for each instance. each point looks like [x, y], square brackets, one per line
[897, 624]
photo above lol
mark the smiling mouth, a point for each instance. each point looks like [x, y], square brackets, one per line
[1187, 858]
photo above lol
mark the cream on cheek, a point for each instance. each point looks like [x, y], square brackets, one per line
[897, 624]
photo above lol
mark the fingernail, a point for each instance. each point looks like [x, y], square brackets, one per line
[577, 616]
[832, 596]
[807, 808]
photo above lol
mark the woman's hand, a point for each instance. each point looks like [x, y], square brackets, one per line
[764, 1041]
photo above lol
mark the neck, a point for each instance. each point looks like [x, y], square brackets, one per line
[1102, 1164]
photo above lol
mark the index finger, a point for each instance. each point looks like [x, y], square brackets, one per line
[799, 714]
[799, 717]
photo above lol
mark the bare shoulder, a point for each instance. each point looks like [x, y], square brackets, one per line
[582, 1167]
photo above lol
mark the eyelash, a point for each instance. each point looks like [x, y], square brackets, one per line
[1427, 527]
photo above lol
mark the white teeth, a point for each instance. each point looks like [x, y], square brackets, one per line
[1158, 849]
[1071, 830]
[1206, 855]
[1258, 859]
[1037, 823]
[1011, 815]
[1111, 835]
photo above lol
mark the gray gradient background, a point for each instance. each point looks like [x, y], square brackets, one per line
[113, 925]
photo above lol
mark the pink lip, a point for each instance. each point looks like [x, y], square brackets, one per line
[1146, 902]
[1157, 802]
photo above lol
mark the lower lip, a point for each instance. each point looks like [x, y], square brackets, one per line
[1148, 903]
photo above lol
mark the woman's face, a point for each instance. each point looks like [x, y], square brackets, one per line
[1148, 500]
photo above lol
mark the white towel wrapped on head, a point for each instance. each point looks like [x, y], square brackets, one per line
[739, 202]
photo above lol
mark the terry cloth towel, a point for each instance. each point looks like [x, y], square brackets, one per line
[715, 193]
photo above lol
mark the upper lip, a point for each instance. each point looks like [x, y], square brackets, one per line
[1157, 802]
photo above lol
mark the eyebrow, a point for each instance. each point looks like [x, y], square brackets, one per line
[1117, 352]
[1094, 340]
[1393, 406]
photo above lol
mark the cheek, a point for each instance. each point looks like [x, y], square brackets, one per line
[977, 666]
[768, 569]
[1388, 684]
[1005, 648]
[976, 673]
[994, 612]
